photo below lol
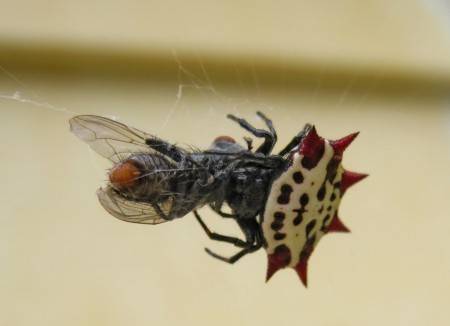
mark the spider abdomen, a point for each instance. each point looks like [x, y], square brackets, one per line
[303, 202]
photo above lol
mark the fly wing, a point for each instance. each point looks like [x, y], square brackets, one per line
[111, 139]
[131, 211]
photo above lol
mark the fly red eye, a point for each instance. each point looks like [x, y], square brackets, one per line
[124, 175]
[225, 138]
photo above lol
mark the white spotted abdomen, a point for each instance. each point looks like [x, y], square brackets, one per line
[301, 205]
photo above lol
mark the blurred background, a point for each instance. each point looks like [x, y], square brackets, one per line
[175, 69]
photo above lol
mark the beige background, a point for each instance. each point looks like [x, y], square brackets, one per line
[176, 70]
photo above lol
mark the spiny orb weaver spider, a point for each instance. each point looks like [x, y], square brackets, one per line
[283, 202]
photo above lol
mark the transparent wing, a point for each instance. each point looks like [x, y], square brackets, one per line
[110, 139]
[131, 211]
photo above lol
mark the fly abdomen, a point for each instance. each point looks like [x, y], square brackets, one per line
[124, 175]
[143, 177]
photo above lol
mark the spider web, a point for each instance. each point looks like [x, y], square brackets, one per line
[198, 102]
[194, 113]
[201, 97]
[199, 91]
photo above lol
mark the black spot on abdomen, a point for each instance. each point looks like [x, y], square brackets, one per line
[312, 158]
[304, 199]
[283, 251]
[323, 228]
[276, 225]
[298, 177]
[297, 220]
[279, 236]
[332, 167]
[321, 193]
[309, 227]
[285, 195]
[279, 216]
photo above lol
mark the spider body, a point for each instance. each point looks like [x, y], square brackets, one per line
[154, 181]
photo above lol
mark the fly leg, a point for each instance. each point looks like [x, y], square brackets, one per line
[296, 140]
[165, 148]
[159, 211]
[270, 137]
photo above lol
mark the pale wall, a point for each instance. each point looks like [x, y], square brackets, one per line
[65, 261]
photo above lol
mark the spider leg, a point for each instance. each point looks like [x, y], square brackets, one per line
[268, 123]
[219, 237]
[249, 142]
[232, 259]
[254, 241]
[223, 214]
[270, 138]
[296, 140]
[165, 148]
